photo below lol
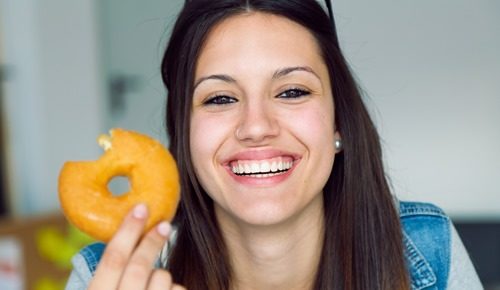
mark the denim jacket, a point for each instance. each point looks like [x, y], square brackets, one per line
[436, 258]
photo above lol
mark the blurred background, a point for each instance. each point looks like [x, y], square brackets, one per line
[71, 70]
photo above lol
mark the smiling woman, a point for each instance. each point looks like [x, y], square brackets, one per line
[283, 185]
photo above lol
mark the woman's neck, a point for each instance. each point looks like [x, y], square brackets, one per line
[283, 256]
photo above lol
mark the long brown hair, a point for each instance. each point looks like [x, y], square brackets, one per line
[362, 246]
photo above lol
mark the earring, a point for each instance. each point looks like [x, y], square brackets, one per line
[338, 145]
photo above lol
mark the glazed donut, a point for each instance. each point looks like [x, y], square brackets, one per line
[86, 200]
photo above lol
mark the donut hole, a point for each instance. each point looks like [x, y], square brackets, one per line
[119, 185]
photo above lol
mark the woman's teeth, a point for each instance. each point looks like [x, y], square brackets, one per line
[262, 168]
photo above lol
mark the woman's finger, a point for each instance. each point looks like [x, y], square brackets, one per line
[140, 267]
[117, 254]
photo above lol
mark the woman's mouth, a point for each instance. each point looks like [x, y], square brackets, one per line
[262, 168]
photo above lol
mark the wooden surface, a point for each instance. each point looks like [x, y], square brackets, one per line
[25, 231]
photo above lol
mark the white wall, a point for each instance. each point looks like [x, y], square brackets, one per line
[52, 96]
[431, 71]
[133, 38]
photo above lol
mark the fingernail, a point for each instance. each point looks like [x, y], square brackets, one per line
[140, 211]
[164, 228]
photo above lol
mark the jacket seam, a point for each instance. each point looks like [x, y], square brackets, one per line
[426, 276]
[419, 209]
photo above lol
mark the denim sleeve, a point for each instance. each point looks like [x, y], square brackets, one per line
[84, 266]
[80, 277]
[86, 261]
[462, 274]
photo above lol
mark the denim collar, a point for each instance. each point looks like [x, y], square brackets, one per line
[420, 268]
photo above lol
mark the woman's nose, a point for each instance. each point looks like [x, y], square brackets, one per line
[258, 123]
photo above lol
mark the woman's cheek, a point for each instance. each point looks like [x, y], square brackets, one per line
[208, 132]
[315, 123]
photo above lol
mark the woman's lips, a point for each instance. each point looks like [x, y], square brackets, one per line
[260, 155]
[265, 167]
[259, 167]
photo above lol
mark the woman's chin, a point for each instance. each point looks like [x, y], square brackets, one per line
[261, 215]
[267, 214]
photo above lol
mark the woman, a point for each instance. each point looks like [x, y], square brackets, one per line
[281, 169]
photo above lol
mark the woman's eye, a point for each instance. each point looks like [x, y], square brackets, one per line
[219, 100]
[293, 93]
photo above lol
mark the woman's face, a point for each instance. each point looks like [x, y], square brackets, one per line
[262, 125]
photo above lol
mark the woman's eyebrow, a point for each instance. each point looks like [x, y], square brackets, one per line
[277, 74]
[284, 71]
[224, 78]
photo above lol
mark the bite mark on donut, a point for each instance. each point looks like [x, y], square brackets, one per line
[105, 141]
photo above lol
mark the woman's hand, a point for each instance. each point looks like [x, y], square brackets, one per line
[127, 262]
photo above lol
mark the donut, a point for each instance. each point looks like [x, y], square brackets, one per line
[153, 177]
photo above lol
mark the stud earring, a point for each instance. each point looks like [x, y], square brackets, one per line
[338, 145]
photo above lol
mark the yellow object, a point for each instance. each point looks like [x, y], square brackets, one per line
[49, 284]
[57, 247]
